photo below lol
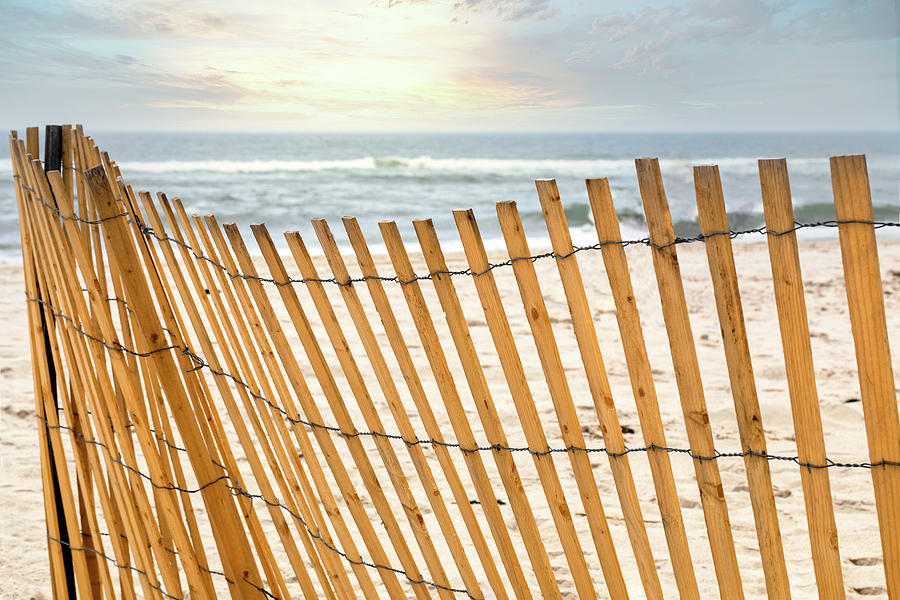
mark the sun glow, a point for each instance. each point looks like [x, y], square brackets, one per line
[333, 61]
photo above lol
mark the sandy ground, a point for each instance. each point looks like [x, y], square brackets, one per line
[23, 556]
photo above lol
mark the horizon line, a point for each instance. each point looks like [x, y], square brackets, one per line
[477, 132]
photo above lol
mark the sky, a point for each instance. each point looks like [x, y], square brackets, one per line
[454, 65]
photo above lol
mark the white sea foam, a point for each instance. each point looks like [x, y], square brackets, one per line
[387, 163]
[531, 167]
[736, 166]
[251, 166]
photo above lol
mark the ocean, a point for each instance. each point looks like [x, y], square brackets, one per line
[285, 180]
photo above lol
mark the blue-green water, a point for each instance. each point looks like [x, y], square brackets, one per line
[285, 180]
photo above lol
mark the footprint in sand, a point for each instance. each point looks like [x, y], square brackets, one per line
[871, 590]
[688, 503]
[20, 412]
[866, 561]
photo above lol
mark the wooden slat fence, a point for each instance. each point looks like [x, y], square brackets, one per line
[214, 417]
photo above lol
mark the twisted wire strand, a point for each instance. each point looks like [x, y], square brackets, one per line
[200, 363]
[115, 562]
[237, 490]
[175, 553]
[199, 255]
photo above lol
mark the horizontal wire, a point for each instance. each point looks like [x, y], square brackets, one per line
[265, 592]
[170, 551]
[115, 459]
[112, 559]
[115, 563]
[201, 363]
[237, 490]
[155, 433]
[732, 234]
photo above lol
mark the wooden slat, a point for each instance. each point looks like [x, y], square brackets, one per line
[865, 298]
[85, 579]
[95, 247]
[495, 315]
[98, 570]
[76, 182]
[450, 395]
[32, 141]
[163, 496]
[75, 565]
[67, 160]
[637, 361]
[711, 212]
[423, 406]
[200, 393]
[233, 350]
[80, 163]
[195, 386]
[142, 508]
[493, 427]
[684, 358]
[87, 466]
[801, 379]
[89, 582]
[135, 369]
[92, 159]
[45, 232]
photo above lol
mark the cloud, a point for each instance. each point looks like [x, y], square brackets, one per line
[508, 10]
[583, 53]
[138, 80]
[655, 32]
[849, 20]
[143, 20]
[513, 10]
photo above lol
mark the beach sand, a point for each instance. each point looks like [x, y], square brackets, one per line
[24, 571]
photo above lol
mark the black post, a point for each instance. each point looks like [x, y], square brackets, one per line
[53, 148]
[53, 162]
